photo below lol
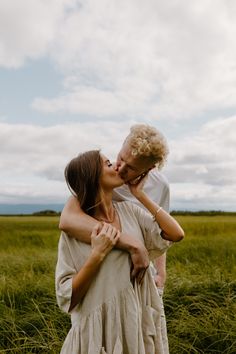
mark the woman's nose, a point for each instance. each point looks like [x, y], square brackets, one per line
[122, 168]
[116, 166]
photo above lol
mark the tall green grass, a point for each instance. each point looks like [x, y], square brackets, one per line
[30, 321]
[200, 294]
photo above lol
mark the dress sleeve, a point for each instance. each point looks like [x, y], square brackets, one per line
[65, 270]
[151, 231]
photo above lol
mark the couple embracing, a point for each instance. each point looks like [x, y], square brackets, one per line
[114, 224]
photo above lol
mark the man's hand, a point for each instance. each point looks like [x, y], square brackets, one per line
[160, 276]
[140, 260]
[159, 281]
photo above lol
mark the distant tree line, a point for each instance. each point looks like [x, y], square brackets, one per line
[47, 213]
[203, 212]
[173, 212]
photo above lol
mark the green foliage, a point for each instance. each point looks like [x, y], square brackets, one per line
[200, 294]
[46, 213]
[203, 212]
[30, 320]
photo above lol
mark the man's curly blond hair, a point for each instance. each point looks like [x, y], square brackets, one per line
[147, 141]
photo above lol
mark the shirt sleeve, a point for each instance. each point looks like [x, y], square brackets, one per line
[65, 270]
[165, 198]
[151, 231]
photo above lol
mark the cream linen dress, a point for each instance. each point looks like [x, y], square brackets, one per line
[115, 316]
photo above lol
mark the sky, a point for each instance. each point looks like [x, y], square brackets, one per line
[75, 75]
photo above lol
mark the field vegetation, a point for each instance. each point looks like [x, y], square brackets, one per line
[200, 294]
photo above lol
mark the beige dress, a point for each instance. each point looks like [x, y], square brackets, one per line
[115, 316]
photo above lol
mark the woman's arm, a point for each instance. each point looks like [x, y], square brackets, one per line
[102, 243]
[171, 230]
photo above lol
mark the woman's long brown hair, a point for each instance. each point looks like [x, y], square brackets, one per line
[82, 176]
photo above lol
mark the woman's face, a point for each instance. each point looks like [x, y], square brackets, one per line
[109, 178]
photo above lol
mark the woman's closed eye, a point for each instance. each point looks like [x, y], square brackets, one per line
[109, 164]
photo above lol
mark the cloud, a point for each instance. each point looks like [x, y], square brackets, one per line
[104, 104]
[145, 59]
[33, 191]
[41, 149]
[129, 59]
[28, 28]
[200, 196]
[201, 167]
[33, 158]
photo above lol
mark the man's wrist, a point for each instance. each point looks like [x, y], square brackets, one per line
[135, 248]
[129, 244]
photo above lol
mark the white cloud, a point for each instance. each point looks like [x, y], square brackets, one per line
[33, 158]
[200, 196]
[32, 191]
[86, 101]
[28, 28]
[201, 167]
[127, 58]
[40, 148]
[146, 59]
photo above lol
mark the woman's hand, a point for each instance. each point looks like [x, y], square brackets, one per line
[137, 188]
[104, 238]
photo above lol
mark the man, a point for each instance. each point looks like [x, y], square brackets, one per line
[144, 149]
[155, 185]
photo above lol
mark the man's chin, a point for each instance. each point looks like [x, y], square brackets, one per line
[123, 179]
[132, 181]
[129, 181]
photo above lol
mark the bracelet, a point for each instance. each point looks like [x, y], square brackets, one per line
[156, 212]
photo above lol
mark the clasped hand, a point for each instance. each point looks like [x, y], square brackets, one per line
[103, 238]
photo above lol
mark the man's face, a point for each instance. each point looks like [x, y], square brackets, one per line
[130, 167]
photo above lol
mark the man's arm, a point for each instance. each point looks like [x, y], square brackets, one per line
[160, 265]
[75, 223]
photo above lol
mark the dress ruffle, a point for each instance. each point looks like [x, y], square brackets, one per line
[108, 328]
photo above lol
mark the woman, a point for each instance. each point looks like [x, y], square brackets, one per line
[109, 313]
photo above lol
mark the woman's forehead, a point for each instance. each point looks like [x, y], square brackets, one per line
[104, 158]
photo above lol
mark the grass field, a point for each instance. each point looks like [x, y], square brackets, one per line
[200, 295]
